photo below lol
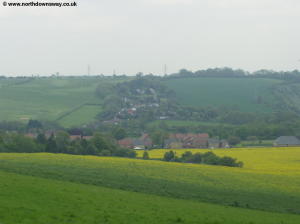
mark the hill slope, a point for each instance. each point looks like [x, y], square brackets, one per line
[68, 100]
[26, 199]
[245, 94]
[256, 188]
[72, 101]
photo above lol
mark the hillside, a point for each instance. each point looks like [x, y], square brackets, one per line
[23, 201]
[67, 100]
[245, 94]
[260, 185]
[75, 101]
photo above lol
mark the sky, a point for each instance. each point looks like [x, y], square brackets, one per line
[131, 36]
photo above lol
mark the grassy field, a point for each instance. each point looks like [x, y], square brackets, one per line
[63, 99]
[180, 123]
[68, 100]
[83, 115]
[27, 200]
[242, 93]
[46, 98]
[269, 181]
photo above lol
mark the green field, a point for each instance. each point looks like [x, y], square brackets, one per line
[46, 98]
[265, 190]
[27, 200]
[69, 101]
[242, 93]
[83, 115]
[180, 123]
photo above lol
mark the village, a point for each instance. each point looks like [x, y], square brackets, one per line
[178, 141]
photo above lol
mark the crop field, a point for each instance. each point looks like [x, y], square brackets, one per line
[285, 160]
[25, 200]
[46, 98]
[69, 101]
[241, 93]
[269, 182]
[83, 115]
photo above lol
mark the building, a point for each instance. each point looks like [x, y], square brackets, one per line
[187, 141]
[144, 142]
[286, 141]
[213, 143]
[126, 143]
[173, 143]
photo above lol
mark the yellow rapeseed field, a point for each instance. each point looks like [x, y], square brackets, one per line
[269, 180]
[264, 160]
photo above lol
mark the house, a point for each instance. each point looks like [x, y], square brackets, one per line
[31, 135]
[138, 144]
[286, 141]
[144, 142]
[126, 143]
[187, 141]
[147, 141]
[213, 143]
[190, 140]
[224, 144]
[75, 137]
[173, 143]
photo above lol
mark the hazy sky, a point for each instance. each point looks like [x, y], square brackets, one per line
[142, 35]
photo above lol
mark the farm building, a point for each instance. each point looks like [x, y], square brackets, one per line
[187, 141]
[286, 141]
[173, 143]
[144, 142]
[177, 141]
[213, 143]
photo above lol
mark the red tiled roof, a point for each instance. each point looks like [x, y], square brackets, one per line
[74, 137]
[126, 142]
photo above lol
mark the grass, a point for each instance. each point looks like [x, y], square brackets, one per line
[261, 184]
[180, 123]
[27, 199]
[258, 143]
[53, 98]
[46, 98]
[83, 115]
[241, 93]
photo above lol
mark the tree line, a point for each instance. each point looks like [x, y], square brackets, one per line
[227, 72]
[209, 158]
[99, 144]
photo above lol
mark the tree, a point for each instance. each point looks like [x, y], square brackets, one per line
[100, 142]
[119, 133]
[34, 124]
[62, 140]
[41, 139]
[21, 143]
[169, 156]
[187, 156]
[51, 144]
[234, 140]
[159, 137]
[91, 150]
[252, 138]
[146, 155]
[210, 158]
[197, 158]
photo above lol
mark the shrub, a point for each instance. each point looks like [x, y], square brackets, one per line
[146, 155]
